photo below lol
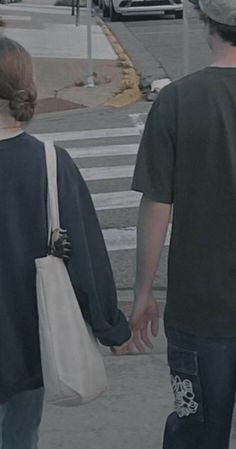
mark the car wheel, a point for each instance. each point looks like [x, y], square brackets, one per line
[114, 16]
[105, 9]
[178, 14]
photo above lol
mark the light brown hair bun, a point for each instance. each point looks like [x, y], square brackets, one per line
[16, 80]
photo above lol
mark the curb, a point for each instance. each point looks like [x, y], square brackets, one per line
[130, 92]
[148, 68]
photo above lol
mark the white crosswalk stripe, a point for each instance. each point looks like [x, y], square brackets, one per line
[89, 134]
[55, 40]
[9, 18]
[99, 173]
[61, 41]
[124, 239]
[116, 200]
[101, 151]
[36, 9]
[117, 239]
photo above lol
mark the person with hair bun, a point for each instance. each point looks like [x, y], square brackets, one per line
[23, 238]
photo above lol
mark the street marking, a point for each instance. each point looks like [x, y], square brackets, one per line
[116, 200]
[113, 172]
[36, 9]
[125, 238]
[18, 18]
[32, 5]
[101, 151]
[138, 122]
[63, 41]
[90, 134]
[157, 84]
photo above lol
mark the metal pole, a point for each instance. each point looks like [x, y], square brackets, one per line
[90, 78]
[73, 8]
[186, 38]
[77, 13]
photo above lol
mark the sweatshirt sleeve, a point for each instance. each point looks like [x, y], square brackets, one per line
[89, 268]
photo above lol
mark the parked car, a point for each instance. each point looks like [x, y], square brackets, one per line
[195, 3]
[116, 8]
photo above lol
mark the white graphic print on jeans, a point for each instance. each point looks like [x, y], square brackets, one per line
[184, 397]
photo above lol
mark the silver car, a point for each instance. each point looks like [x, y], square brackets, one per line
[116, 8]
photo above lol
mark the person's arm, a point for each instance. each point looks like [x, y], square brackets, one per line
[151, 233]
[89, 267]
[154, 176]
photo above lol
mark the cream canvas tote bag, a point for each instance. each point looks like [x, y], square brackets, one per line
[72, 366]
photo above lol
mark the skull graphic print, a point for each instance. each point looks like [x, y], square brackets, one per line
[185, 404]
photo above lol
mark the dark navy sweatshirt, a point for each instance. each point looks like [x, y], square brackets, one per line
[23, 238]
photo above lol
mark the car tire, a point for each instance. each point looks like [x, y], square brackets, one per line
[178, 14]
[105, 9]
[114, 16]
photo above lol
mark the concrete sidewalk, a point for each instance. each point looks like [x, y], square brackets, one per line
[130, 415]
[59, 51]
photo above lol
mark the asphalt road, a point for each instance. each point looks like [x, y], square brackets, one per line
[156, 44]
[156, 47]
[117, 221]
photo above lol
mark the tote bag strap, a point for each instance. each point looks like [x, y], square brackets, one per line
[52, 194]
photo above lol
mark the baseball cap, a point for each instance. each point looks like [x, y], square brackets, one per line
[222, 11]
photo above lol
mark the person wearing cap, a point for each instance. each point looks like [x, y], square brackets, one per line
[187, 159]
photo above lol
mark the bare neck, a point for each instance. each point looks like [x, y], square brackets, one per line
[224, 53]
[8, 127]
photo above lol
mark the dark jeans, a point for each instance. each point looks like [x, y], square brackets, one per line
[203, 378]
[20, 419]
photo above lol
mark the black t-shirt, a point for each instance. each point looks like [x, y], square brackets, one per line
[188, 157]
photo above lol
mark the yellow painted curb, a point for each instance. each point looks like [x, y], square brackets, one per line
[129, 92]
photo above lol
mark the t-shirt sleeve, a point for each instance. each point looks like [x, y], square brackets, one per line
[155, 164]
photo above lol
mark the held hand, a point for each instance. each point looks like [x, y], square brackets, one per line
[144, 313]
[123, 349]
